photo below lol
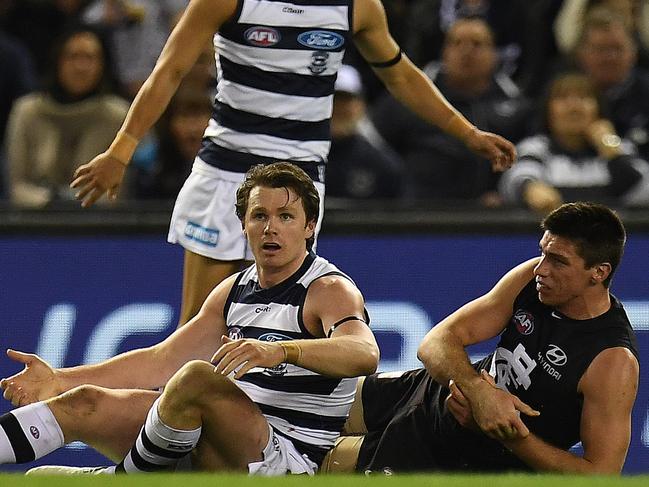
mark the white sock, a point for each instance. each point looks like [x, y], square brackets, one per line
[29, 433]
[158, 446]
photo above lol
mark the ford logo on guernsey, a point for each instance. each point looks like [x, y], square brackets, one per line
[262, 36]
[321, 39]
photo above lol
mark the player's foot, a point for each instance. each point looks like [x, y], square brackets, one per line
[64, 470]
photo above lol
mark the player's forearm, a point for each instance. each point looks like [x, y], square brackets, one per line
[444, 357]
[146, 109]
[544, 457]
[138, 369]
[344, 356]
[416, 91]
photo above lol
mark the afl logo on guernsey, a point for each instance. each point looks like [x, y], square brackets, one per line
[262, 36]
[321, 39]
[524, 322]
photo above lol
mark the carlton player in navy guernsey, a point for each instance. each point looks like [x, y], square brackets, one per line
[260, 381]
[277, 62]
[565, 370]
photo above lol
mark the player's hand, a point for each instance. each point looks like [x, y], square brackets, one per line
[103, 174]
[500, 152]
[36, 382]
[242, 355]
[460, 407]
[497, 412]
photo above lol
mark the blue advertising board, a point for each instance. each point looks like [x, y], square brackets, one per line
[80, 300]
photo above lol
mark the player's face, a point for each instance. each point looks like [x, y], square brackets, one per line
[562, 277]
[276, 227]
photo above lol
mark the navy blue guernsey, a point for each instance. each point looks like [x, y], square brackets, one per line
[304, 406]
[276, 62]
[541, 357]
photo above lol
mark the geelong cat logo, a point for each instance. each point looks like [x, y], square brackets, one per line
[321, 39]
[262, 36]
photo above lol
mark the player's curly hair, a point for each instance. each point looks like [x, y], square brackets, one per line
[281, 175]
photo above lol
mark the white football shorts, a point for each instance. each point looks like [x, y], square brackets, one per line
[281, 457]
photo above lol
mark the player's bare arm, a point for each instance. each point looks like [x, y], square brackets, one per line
[199, 22]
[609, 388]
[350, 351]
[443, 353]
[145, 368]
[414, 89]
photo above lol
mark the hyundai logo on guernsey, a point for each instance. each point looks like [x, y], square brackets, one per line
[262, 36]
[556, 356]
[206, 236]
[524, 322]
[321, 39]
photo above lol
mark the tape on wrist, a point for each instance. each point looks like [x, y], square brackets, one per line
[292, 352]
[123, 147]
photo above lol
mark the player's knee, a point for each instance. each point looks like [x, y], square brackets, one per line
[195, 381]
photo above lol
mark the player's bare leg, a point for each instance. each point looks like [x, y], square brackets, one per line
[108, 420]
[200, 275]
[204, 413]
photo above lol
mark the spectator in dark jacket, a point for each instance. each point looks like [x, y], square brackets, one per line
[439, 167]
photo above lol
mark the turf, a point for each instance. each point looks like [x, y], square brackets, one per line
[206, 480]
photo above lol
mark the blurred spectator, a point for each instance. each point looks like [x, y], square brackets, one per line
[578, 157]
[179, 134]
[38, 23]
[137, 30]
[524, 43]
[17, 77]
[356, 168]
[53, 131]
[439, 166]
[569, 23]
[606, 52]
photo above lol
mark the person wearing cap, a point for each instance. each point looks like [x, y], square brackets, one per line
[360, 165]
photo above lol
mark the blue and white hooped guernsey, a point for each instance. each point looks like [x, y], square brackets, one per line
[276, 67]
[302, 405]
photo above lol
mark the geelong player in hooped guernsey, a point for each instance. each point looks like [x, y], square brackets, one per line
[260, 381]
[291, 397]
[277, 64]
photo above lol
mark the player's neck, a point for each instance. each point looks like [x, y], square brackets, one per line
[587, 306]
[270, 275]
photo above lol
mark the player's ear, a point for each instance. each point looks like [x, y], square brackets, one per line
[310, 229]
[600, 273]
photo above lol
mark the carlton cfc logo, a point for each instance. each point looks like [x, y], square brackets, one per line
[524, 322]
[262, 36]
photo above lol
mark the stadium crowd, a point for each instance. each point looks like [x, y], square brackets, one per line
[69, 68]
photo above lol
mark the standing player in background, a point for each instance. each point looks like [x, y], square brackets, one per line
[277, 63]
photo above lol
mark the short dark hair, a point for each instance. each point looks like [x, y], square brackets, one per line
[596, 230]
[281, 175]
